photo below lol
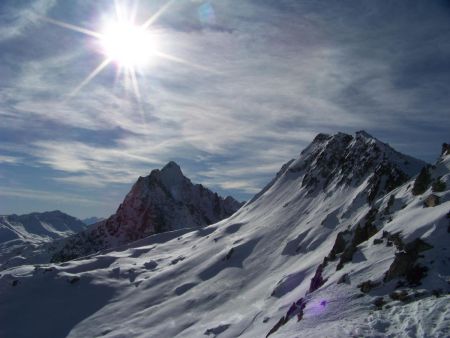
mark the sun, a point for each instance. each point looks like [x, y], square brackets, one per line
[128, 45]
[131, 47]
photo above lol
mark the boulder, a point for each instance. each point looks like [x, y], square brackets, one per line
[431, 201]
[368, 285]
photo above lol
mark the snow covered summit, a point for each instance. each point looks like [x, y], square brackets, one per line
[332, 163]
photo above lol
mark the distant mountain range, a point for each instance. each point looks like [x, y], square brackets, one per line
[39, 227]
[92, 220]
[33, 237]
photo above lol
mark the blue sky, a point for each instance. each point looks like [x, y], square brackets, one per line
[260, 79]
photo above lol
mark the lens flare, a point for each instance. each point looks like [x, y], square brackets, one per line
[318, 307]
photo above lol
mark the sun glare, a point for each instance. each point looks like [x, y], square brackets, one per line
[128, 45]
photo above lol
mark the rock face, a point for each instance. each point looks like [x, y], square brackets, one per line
[422, 181]
[163, 201]
[167, 200]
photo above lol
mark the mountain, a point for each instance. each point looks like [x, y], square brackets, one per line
[332, 163]
[92, 220]
[163, 201]
[31, 237]
[38, 227]
[349, 239]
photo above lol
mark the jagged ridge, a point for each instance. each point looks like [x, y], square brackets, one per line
[333, 161]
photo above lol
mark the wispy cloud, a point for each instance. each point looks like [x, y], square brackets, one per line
[283, 71]
[46, 195]
[17, 20]
[93, 165]
[9, 159]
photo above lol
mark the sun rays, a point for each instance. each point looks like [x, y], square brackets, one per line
[91, 76]
[127, 45]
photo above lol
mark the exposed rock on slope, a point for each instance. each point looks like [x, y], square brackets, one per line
[163, 201]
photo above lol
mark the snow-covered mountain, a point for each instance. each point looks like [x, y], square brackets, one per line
[30, 237]
[38, 227]
[163, 201]
[348, 240]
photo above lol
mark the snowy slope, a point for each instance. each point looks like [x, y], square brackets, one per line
[239, 277]
[162, 201]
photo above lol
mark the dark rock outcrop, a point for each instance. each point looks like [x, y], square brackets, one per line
[445, 149]
[431, 201]
[405, 263]
[317, 281]
[379, 302]
[438, 185]
[422, 181]
[340, 244]
[366, 286]
[360, 235]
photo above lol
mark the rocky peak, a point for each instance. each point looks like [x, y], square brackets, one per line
[321, 138]
[172, 169]
[171, 175]
[163, 201]
[344, 159]
[363, 134]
